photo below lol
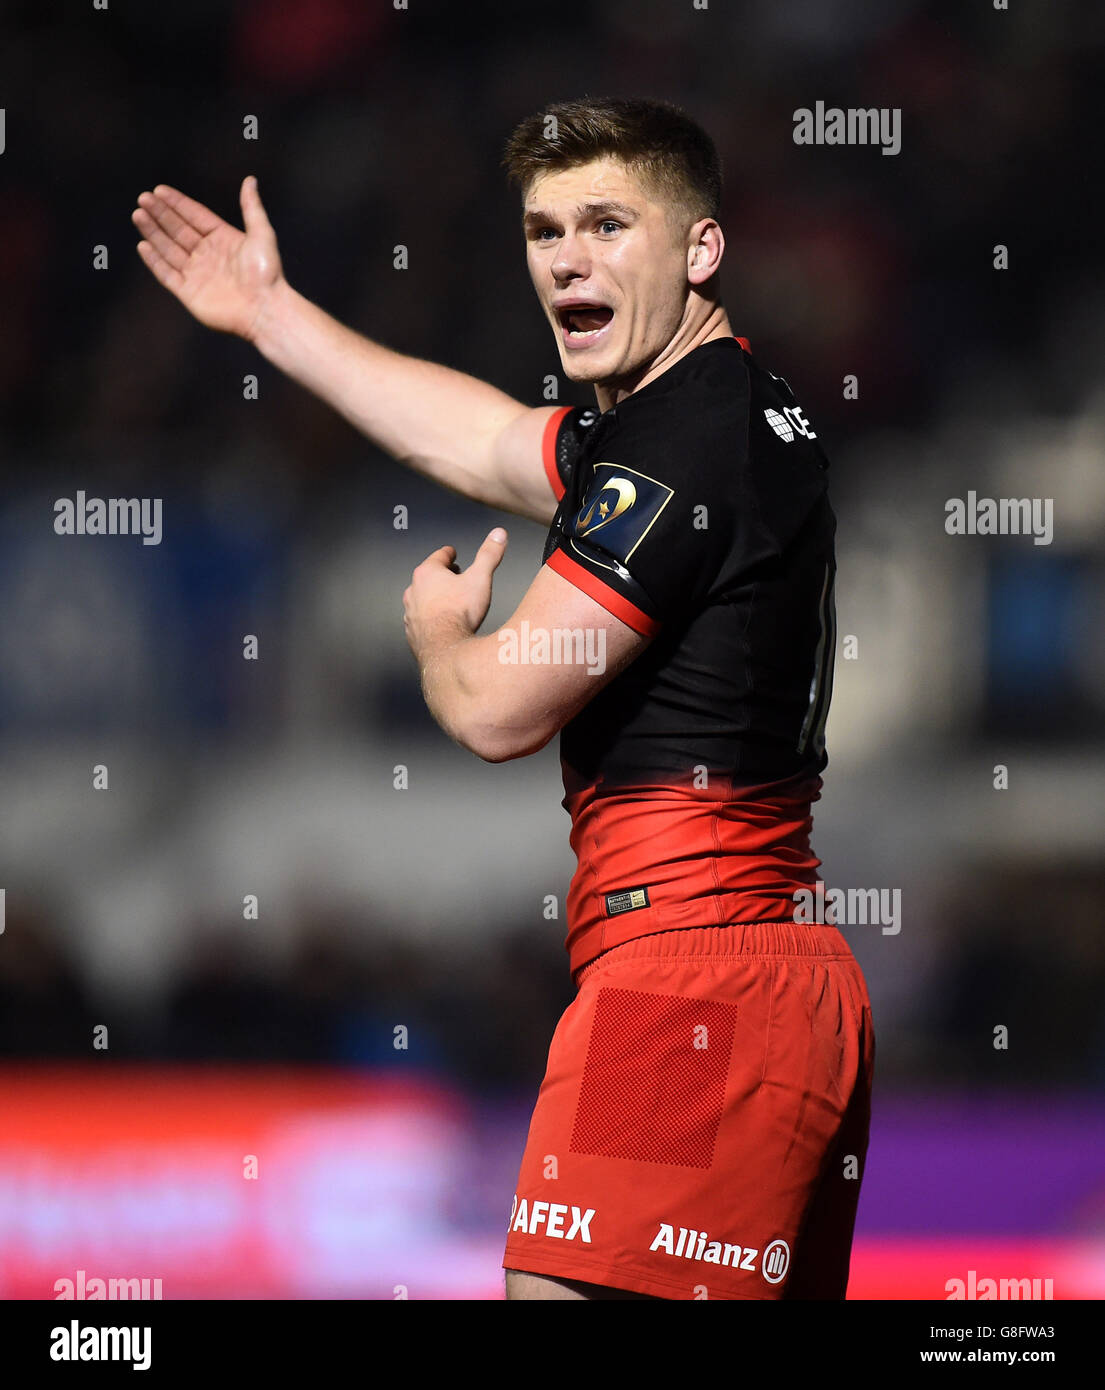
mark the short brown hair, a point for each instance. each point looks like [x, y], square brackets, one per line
[654, 140]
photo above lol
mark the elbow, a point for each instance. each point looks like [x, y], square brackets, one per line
[503, 743]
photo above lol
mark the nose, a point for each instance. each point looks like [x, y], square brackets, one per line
[570, 261]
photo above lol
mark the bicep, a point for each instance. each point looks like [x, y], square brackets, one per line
[523, 481]
[558, 650]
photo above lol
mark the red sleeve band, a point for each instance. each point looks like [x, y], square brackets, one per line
[548, 450]
[608, 598]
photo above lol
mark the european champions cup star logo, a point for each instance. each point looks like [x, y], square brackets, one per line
[626, 495]
[624, 504]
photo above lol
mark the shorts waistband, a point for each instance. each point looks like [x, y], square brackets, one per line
[786, 938]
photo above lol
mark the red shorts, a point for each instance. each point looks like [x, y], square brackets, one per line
[702, 1126]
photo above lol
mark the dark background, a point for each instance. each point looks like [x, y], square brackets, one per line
[426, 907]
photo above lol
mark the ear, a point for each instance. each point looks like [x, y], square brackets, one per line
[705, 248]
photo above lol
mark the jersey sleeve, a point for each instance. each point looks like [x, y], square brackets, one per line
[668, 521]
[617, 547]
[561, 444]
[656, 515]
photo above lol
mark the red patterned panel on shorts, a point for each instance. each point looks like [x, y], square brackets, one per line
[654, 1082]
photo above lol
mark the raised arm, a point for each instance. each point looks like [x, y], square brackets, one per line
[461, 432]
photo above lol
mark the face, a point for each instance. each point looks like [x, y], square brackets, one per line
[609, 268]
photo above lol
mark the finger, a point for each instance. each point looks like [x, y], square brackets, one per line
[170, 223]
[491, 552]
[170, 250]
[443, 557]
[253, 210]
[162, 270]
[201, 219]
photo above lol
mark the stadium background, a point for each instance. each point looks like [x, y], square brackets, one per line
[383, 1167]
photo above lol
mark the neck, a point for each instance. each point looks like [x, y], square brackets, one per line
[714, 325]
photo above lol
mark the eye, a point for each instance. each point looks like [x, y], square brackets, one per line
[609, 222]
[543, 233]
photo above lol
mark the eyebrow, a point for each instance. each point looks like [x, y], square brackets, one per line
[602, 208]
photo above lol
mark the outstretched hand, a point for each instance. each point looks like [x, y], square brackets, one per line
[220, 274]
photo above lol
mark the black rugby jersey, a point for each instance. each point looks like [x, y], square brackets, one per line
[696, 510]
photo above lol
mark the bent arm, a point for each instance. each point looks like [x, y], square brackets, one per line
[502, 703]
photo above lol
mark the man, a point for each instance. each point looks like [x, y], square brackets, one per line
[702, 1125]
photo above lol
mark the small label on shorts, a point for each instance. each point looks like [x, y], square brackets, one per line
[627, 900]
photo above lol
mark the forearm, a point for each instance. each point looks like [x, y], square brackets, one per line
[441, 422]
[466, 689]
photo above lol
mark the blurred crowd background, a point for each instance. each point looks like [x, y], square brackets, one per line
[428, 907]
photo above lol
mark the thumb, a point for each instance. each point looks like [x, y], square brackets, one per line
[253, 211]
[491, 552]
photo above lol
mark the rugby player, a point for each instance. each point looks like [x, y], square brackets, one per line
[702, 1125]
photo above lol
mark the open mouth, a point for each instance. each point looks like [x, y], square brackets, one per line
[581, 323]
